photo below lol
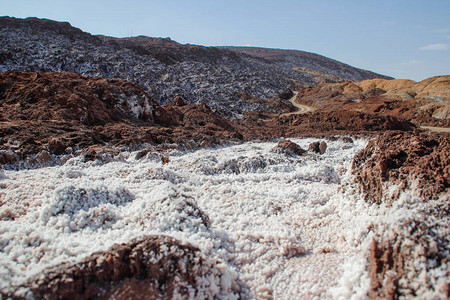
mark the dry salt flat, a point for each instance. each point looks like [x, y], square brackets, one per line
[282, 226]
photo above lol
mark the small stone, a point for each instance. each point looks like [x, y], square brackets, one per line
[288, 147]
[322, 147]
[8, 157]
[347, 139]
[56, 146]
[165, 159]
[141, 154]
[318, 147]
[314, 147]
[179, 101]
[43, 157]
[90, 154]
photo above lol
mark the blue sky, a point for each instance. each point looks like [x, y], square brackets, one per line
[399, 38]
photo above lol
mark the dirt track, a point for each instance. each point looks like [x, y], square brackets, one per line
[301, 109]
[436, 129]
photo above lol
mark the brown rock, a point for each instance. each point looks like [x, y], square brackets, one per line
[385, 257]
[179, 101]
[165, 159]
[90, 154]
[318, 147]
[152, 267]
[57, 146]
[43, 157]
[8, 157]
[408, 255]
[322, 147]
[314, 147]
[72, 97]
[347, 139]
[288, 147]
[141, 154]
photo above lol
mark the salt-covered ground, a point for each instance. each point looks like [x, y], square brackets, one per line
[282, 225]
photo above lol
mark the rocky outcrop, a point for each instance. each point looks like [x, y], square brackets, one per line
[410, 261]
[407, 175]
[418, 162]
[152, 267]
[408, 256]
[8, 157]
[71, 97]
[64, 112]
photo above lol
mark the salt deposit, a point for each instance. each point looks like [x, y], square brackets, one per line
[281, 225]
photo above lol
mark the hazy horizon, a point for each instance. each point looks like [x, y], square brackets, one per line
[405, 39]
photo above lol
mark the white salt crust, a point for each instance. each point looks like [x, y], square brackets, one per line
[278, 226]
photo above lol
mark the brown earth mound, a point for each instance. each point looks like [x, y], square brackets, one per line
[426, 103]
[420, 162]
[70, 97]
[153, 267]
[347, 121]
[57, 111]
[434, 87]
[384, 84]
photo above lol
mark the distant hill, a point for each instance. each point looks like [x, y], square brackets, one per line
[232, 80]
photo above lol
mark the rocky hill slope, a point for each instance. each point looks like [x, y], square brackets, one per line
[228, 80]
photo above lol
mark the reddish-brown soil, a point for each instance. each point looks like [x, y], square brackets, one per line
[319, 124]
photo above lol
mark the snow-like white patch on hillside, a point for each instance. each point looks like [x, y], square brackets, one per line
[281, 224]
